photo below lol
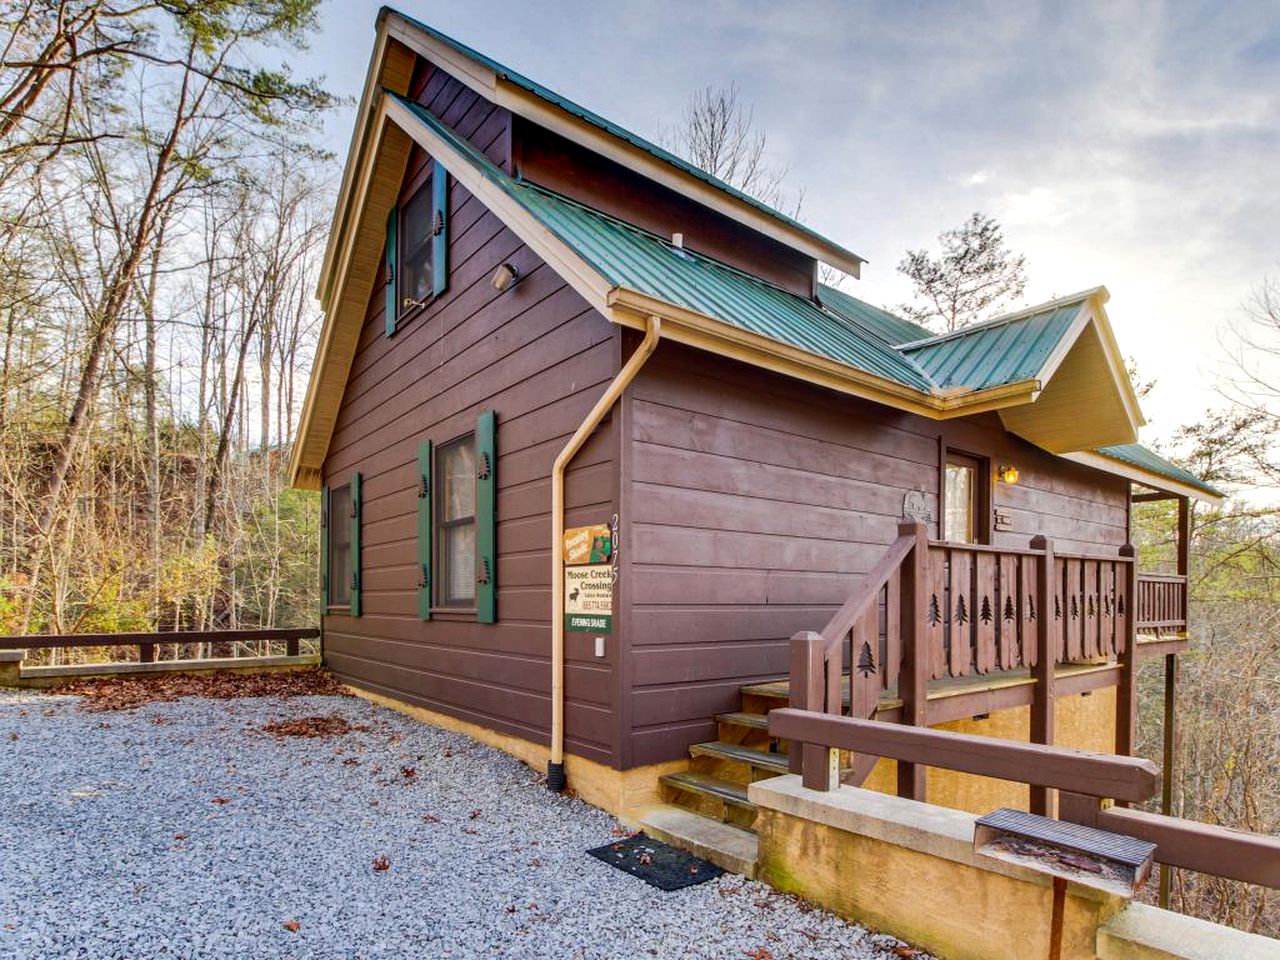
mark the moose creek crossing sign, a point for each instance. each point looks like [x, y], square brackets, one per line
[588, 598]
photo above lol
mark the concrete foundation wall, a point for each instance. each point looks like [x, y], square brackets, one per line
[1084, 722]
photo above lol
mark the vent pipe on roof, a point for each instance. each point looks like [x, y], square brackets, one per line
[677, 241]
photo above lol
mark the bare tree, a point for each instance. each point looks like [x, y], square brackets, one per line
[717, 132]
[972, 274]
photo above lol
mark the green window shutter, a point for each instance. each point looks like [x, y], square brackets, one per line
[486, 518]
[393, 306]
[357, 576]
[324, 550]
[424, 530]
[439, 229]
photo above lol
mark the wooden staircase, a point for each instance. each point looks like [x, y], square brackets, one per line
[707, 810]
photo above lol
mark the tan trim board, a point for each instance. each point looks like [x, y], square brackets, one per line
[1098, 461]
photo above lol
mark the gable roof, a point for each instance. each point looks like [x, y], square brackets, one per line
[615, 130]
[1039, 368]
[1004, 350]
[400, 37]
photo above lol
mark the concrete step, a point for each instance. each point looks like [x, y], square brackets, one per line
[703, 785]
[759, 759]
[727, 846]
[752, 721]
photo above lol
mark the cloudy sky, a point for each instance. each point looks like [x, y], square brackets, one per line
[1135, 145]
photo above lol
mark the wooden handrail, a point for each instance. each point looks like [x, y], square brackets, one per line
[1203, 847]
[1096, 774]
[853, 609]
[146, 642]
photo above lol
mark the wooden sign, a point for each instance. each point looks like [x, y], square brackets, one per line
[593, 544]
[588, 598]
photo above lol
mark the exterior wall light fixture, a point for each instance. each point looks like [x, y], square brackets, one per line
[505, 277]
[1008, 473]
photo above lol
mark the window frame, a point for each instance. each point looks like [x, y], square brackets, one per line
[979, 498]
[338, 520]
[443, 525]
[424, 195]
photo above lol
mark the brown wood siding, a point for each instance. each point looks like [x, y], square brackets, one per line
[561, 165]
[753, 504]
[539, 357]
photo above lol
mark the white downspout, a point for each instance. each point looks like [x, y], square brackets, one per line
[652, 333]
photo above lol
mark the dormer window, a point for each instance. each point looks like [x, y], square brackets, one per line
[417, 251]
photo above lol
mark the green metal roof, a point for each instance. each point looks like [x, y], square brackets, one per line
[629, 257]
[889, 327]
[1005, 350]
[582, 113]
[1136, 455]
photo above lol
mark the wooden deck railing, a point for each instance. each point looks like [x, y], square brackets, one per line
[1162, 603]
[1085, 778]
[934, 610]
[147, 642]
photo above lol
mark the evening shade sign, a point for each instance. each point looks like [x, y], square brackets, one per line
[592, 544]
[588, 598]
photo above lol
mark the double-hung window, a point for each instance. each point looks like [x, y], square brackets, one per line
[456, 523]
[339, 546]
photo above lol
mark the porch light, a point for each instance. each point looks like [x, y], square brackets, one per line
[505, 277]
[1008, 473]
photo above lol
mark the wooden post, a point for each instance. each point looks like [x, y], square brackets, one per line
[146, 652]
[1042, 705]
[818, 765]
[291, 647]
[1171, 688]
[913, 676]
[1127, 694]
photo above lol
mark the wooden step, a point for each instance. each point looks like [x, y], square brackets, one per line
[703, 785]
[760, 759]
[723, 844]
[755, 721]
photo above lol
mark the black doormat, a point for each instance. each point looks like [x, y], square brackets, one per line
[656, 863]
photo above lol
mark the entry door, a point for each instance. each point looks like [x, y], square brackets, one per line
[963, 499]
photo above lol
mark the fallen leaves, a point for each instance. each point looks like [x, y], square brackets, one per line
[221, 801]
[293, 926]
[316, 725]
[760, 953]
[381, 864]
[103, 694]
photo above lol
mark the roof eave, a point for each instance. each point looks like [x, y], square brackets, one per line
[1148, 478]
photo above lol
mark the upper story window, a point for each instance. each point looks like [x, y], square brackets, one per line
[415, 244]
[417, 250]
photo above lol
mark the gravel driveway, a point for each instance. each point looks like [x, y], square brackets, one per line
[183, 829]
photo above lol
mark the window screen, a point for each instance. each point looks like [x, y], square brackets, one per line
[456, 473]
[961, 500]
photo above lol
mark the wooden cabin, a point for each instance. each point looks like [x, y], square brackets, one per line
[594, 443]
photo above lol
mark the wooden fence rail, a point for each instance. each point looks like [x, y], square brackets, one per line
[1086, 778]
[146, 642]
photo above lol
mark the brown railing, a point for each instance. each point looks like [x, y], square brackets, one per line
[1162, 603]
[147, 642]
[1085, 778]
[937, 611]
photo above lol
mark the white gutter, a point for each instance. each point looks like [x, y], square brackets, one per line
[652, 333]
